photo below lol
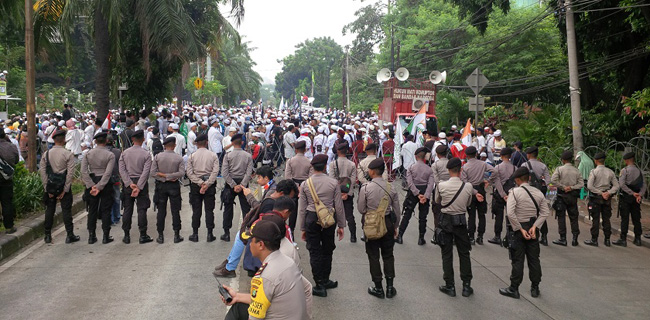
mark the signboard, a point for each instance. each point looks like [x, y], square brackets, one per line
[473, 104]
[3, 88]
[477, 81]
[198, 83]
[410, 94]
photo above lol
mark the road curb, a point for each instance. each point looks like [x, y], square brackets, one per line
[33, 228]
[616, 230]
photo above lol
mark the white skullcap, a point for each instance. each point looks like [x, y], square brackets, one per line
[442, 135]
[232, 129]
[497, 133]
[173, 126]
[7, 131]
[335, 128]
[61, 123]
[372, 127]
[192, 125]
[304, 130]
[321, 129]
[483, 154]
[454, 127]
[486, 128]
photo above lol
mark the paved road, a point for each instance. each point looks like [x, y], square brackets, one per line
[174, 281]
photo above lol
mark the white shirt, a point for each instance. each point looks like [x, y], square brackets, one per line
[480, 143]
[48, 132]
[90, 134]
[73, 140]
[180, 143]
[191, 148]
[308, 153]
[289, 138]
[408, 153]
[227, 140]
[330, 143]
[215, 139]
[319, 140]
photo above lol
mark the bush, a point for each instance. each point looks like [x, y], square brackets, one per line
[28, 191]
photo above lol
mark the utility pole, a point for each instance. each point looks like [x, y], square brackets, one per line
[30, 73]
[347, 77]
[574, 79]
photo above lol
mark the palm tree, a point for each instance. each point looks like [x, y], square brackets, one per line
[235, 72]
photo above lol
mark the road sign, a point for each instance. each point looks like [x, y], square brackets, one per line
[3, 88]
[477, 81]
[473, 105]
[198, 83]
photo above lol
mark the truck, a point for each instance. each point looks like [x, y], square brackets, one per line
[403, 100]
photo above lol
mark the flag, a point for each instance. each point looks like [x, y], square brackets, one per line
[183, 129]
[312, 77]
[466, 138]
[399, 139]
[106, 125]
[419, 125]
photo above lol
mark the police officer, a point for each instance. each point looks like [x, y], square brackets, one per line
[237, 169]
[527, 210]
[202, 170]
[320, 241]
[8, 154]
[341, 168]
[539, 172]
[633, 188]
[370, 196]
[60, 162]
[419, 177]
[96, 173]
[135, 166]
[167, 168]
[440, 174]
[298, 168]
[504, 182]
[362, 170]
[602, 185]
[474, 173]
[568, 181]
[454, 197]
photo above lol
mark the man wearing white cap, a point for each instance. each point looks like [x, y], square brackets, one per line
[180, 140]
[442, 141]
[329, 145]
[289, 141]
[304, 136]
[319, 141]
[215, 138]
[191, 136]
[227, 140]
[497, 144]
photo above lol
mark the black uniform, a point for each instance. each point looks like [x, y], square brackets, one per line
[9, 154]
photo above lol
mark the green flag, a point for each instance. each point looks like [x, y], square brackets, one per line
[183, 129]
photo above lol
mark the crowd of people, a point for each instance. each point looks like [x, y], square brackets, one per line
[310, 167]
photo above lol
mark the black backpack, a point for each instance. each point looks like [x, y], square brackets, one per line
[534, 180]
[156, 146]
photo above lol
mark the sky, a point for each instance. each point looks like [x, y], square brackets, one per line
[275, 27]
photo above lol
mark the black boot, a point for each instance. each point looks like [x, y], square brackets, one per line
[471, 240]
[561, 241]
[377, 290]
[399, 239]
[421, 241]
[543, 240]
[353, 236]
[71, 237]
[211, 236]
[107, 237]
[433, 240]
[592, 242]
[127, 237]
[574, 242]
[479, 239]
[329, 284]
[496, 239]
[448, 289]
[161, 238]
[534, 290]
[145, 238]
[390, 290]
[467, 289]
[92, 237]
[363, 238]
[177, 236]
[319, 290]
[510, 292]
[48, 237]
[607, 242]
[637, 241]
[226, 235]
[194, 237]
[620, 242]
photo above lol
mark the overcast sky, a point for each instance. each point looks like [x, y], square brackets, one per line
[275, 27]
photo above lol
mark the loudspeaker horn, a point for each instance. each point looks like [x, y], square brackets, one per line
[437, 77]
[402, 74]
[383, 75]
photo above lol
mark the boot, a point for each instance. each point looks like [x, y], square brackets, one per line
[471, 240]
[177, 236]
[329, 284]
[363, 238]
[574, 242]
[510, 292]
[353, 236]
[561, 241]
[496, 239]
[211, 236]
[48, 237]
[637, 241]
[92, 237]
[467, 290]
[71, 237]
[534, 290]
[433, 240]
[479, 239]
[107, 238]
[194, 237]
[448, 289]
[421, 241]
[592, 242]
[319, 290]
[399, 239]
[390, 290]
[127, 237]
[226, 235]
[543, 240]
[161, 238]
[620, 242]
[377, 290]
[145, 238]
[607, 242]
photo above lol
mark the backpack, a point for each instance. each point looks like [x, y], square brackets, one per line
[55, 181]
[510, 183]
[374, 226]
[534, 180]
[156, 146]
[6, 170]
[324, 213]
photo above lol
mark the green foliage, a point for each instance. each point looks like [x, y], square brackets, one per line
[234, 70]
[452, 108]
[210, 90]
[639, 105]
[28, 191]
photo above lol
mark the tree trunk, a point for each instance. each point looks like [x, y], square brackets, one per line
[329, 71]
[102, 60]
[30, 72]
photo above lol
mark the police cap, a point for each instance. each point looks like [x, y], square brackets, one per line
[371, 146]
[58, 133]
[101, 135]
[567, 155]
[442, 149]
[264, 230]
[376, 164]
[454, 163]
[169, 140]
[138, 134]
[629, 155]
[319, 159]
[520, 172]
[532, 149]
[342, 147]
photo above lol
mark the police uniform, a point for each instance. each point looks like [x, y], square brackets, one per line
[237, 169]
[440, 174]
[455, 196]
[631, 181]
[97, 171]
[9, 154]
[567, 176]
[202, 168]
[370, 196]
[362, 170]
[601, 180]
[320, 241]
[61, 161]
[527, 208]
[474, 173]
[135, 166]
[341, 168]
[419, 177]
[168, 187]
[298, 168]
[503, 173]
[541, 172]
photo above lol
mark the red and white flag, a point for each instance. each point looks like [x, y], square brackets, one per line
[466, 138]
[106, 126]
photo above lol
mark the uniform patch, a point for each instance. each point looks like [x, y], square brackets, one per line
[259, 302]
